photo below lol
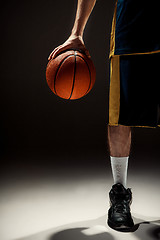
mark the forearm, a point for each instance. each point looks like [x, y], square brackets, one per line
[84, 9]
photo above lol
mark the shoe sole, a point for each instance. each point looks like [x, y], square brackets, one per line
[120, 227]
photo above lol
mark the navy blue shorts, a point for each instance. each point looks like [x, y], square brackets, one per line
[134, 97]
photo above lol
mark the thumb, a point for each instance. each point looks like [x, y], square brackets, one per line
[87, 53]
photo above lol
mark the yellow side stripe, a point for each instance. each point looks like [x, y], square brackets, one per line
[112, 37]
[114, 94]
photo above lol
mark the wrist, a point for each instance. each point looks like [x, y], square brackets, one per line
[76, 36]
[77, 33]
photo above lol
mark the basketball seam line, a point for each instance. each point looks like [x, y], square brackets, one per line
[58, 69]
[73, 76]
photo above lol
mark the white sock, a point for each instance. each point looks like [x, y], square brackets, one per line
[119, 169]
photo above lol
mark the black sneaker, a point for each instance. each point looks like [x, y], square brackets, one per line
[119, 216]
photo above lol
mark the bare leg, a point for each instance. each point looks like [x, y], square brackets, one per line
[119, 140]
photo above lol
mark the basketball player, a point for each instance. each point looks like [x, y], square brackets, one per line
[134, 88]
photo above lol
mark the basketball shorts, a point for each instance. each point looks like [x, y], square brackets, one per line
[134, 86]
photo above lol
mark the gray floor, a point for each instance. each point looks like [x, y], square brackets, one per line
[47, 201]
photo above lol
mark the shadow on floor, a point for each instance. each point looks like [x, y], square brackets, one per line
[145, 230]
[148, 230]
[77, 234]
[97, 229]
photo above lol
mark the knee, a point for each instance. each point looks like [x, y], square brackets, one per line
[119, 131]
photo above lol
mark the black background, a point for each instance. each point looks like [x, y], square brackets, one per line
[51, 148]
[33, 120]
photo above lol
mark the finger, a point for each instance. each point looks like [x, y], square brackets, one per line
[87, 53]
[58, 51]
[51, 54]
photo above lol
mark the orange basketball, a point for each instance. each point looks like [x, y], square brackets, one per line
[71, 75]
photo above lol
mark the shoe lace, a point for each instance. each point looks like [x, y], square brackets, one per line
[120, 206]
